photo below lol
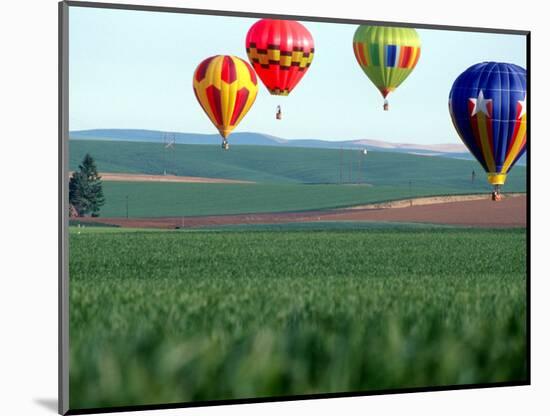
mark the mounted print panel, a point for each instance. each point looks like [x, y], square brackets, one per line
[262, 208]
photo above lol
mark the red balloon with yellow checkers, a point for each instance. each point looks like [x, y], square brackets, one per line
[281, 52]
[225, 87]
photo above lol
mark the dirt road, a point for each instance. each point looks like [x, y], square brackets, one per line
[140, 177]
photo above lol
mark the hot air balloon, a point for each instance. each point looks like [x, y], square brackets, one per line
[225, 87]
[387, 55]
[281, 52]
[488, 107]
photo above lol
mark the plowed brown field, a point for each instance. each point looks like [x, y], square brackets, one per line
[510, 212]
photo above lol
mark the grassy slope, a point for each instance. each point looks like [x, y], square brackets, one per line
[175, 316]
[167, 199]
[281, 172]
[288, 165]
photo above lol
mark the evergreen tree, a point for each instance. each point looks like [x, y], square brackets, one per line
[86, 188]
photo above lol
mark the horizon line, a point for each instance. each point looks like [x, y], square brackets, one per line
[401, 142]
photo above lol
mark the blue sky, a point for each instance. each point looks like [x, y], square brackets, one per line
[131, 69]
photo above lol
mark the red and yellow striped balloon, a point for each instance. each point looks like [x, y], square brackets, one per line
[281, 52]
[225, 87]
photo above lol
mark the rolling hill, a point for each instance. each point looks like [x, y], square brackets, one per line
[291, 165]
[257, 139]
[286, 178]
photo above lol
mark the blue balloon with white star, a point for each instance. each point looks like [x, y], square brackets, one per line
[488, 107]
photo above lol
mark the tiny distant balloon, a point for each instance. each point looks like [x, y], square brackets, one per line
[225, 87]
[387, 55]
[488, 108]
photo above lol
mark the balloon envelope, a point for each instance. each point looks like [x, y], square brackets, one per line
[281, 52]
[225, 87]
[387, 55]
[487, 104]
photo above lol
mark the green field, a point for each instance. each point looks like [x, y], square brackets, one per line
[289, 179]
[288, 165]
[162, 317]
[284, 309]
[178, 199]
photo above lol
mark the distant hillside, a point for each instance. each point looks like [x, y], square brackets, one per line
[449, 150]
[258, 139]
[155, 136]
[264, 164]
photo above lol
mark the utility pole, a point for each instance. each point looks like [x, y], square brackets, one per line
[173, 152]
[363, 155]
[169, 145]
[351, 168]
[341, 156]
[164, 153]
[360, 168]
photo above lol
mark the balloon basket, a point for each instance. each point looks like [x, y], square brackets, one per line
[278, 113]
[496, 195]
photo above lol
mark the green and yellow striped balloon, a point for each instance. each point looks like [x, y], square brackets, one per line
[387, 55]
